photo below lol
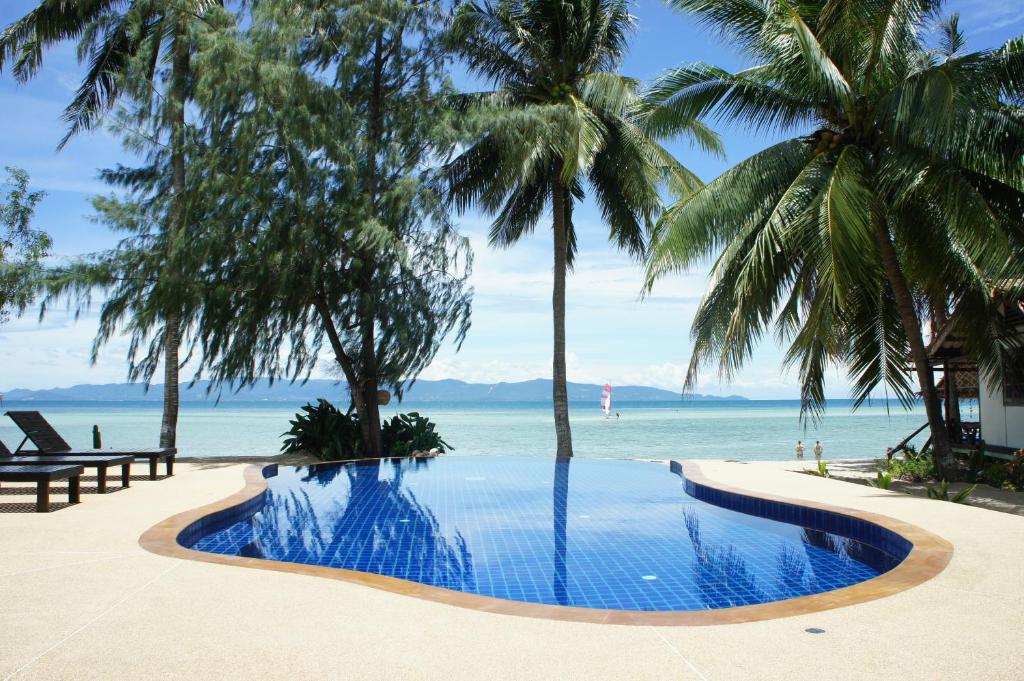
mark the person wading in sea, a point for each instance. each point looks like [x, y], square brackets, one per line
[800, 450]
[818, 449]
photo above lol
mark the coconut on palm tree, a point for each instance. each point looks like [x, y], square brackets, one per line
[115, 38]
[560, 123]
[901, 189]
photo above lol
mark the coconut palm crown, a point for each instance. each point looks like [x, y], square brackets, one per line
[900, 198]
[560, 123]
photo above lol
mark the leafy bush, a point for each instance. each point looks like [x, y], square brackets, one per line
[882, 480]
[1007, 475]
[912, 467]
[328, 433]
[995, 474]
[408, 433]
[325, 432]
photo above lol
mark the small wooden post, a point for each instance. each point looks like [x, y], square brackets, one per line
[97, 440]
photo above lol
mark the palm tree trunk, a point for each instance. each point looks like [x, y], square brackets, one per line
[172, 332]
[559, 392]
[944, 461]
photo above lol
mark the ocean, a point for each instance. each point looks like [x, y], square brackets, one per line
[745, 430]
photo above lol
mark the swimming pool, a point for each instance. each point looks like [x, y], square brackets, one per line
[604, 534]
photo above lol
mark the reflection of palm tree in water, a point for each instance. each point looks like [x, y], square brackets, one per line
[560, 511]
[381, 528]
[793, 574]
[847, 548]
[722, 576]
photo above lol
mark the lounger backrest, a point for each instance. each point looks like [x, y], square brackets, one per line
[42, 434]
[3, 449]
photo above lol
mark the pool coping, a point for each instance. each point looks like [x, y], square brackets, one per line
[928, 557]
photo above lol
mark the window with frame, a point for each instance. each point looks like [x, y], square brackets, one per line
[1013, 378]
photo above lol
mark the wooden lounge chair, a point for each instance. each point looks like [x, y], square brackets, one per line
[43, 476]
[101, 462]
[50, 443]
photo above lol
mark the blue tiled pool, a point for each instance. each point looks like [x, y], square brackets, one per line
[622, 535]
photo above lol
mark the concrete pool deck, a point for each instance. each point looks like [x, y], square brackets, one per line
[80, 599]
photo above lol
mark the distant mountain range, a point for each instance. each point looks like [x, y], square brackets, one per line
[448, 390]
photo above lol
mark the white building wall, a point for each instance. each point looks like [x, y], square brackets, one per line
[1000, 424]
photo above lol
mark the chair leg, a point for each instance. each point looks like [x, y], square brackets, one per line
[101, 479]
[170, 465]
[126, 475]
[42, 496]
[75, 489]
[152, 468]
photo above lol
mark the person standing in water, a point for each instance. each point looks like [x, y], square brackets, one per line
[800, 450]
[818, 449]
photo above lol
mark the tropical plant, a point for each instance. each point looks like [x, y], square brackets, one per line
[821, 470]
[22, 248]
[912, 468]
[882, 480]
[903, 186]
[328, 433]
[405, 434]
[325, 432]
[1008, 475]
[124, 43]
[941, 493]
[560, 121]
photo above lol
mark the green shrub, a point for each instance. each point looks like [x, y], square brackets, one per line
[995, 474]
[325, 432]
[1008, 475]
[408, 433]
[912, 467]
[1015, 469]
[882, 480]
[329, 434]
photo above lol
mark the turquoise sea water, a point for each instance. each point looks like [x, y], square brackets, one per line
[752, 430]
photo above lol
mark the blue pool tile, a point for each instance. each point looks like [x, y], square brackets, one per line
[583, 533]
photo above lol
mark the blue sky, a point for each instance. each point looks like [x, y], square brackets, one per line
[612, 334]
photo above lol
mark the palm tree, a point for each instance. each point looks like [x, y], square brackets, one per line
[560, 120]
[113, 35]
[905, 186]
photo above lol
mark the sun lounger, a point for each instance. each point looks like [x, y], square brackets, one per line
[43, 476]
[50, 443]
[101, 462]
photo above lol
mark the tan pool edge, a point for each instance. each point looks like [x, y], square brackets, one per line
[928, 557]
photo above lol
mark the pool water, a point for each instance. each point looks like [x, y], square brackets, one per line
[613, 534]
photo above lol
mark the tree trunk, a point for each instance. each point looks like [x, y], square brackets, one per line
[169, 420]
[368, 384]
[172, 332]
[355, 384]
[368, 308]
[945, 464]
[559, 392]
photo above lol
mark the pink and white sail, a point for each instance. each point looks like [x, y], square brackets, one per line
[606, 399]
